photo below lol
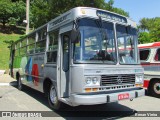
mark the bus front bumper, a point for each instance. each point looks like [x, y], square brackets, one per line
[93, 98]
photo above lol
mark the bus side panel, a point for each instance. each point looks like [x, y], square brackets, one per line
[33, 71]
[16, 65]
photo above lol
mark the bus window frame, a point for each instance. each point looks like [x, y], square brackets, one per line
[45, 40]
[158, 48]
[15, 55]
[48, 43]
[29, 44]
[25, 52]
[25, 39]
[148, 54]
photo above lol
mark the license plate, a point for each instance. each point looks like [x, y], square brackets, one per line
[123, 96]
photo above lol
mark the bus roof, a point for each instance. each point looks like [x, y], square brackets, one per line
[149, 45]
[92, 13]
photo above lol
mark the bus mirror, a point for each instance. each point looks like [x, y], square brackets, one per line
[74, 35]
[129, 29]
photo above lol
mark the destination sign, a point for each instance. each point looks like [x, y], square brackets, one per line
[111, 16]
[60, 20]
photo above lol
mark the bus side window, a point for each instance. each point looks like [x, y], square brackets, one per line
[41, 43]
[53, 47]
[31, 44]
[157, 56]
[144, 54]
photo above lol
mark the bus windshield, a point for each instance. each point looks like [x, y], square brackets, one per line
[126, 38]
[96, 44]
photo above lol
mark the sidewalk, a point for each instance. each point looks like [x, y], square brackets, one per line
[6, 80]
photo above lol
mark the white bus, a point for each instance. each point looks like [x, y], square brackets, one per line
[150, 60]
[85, 56]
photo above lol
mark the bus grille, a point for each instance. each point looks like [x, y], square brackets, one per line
[107, 80]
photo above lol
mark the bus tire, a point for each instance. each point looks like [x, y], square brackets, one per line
[155, 88]
[53, 101]
[19, 83]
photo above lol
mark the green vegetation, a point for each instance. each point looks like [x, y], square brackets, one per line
[4, 50]
[149, 30]
[12, 12]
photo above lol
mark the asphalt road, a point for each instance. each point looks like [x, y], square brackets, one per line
[11, 99]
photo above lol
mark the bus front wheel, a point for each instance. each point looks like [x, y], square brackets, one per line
[53, 101]
[155, 88]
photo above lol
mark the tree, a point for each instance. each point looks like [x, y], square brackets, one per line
[144, 37]
[155, 31]
[13, 12]
[39, 13]
[149, 30]
[5, 11]
[120, 11]
[144, 24]
[19, 12]
[109, 5]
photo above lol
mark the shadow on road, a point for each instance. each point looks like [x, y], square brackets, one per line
[104, 111]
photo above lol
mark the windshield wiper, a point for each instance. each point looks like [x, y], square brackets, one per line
[104, 37]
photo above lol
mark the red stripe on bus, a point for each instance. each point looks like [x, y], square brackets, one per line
[146, 83]
[152, 45]
[150, 64]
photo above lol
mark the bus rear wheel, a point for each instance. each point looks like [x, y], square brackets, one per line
[19, 83]
[53, 101]
[155, 88]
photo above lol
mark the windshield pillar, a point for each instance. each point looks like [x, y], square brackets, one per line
[116, 43]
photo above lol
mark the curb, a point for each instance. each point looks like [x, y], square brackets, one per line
[2, 72]
[8, 84]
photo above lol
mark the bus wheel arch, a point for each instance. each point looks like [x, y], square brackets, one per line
[46, 85]
[154, 87]
[50, 91]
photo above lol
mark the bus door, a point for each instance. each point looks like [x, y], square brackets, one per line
[64, 67]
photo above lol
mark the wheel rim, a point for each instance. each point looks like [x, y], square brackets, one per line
[53, 95]
[157, 88]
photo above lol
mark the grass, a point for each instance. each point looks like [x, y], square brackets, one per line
[4, 50]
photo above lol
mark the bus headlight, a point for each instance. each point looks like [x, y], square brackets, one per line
[88, 80]
[92, 81]
[139, 79]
